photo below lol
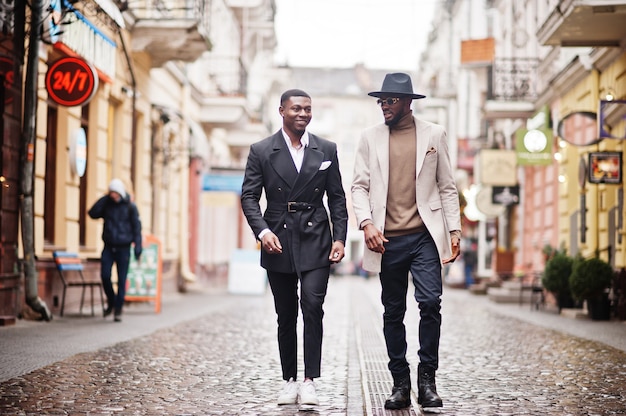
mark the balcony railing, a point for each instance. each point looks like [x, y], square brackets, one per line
[196, 10]
[513, 79]
[170, 29]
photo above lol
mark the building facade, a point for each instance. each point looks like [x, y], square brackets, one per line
[502, 69]
[150, 92]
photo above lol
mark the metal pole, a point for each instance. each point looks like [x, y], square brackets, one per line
[27, 160]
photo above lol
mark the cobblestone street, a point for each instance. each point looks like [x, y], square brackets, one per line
[224, 361]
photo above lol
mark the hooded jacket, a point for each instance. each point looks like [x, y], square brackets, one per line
[122, 225]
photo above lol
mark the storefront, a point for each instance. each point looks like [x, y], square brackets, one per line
[11, 56]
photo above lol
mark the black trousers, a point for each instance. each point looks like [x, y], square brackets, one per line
[313, 287]
[120, 255]
[415, 255]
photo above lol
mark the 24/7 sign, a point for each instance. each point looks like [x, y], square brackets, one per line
[71, 81]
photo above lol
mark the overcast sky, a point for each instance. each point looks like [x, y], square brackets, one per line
[382, 34]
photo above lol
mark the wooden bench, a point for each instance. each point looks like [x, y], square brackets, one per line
[70, 269]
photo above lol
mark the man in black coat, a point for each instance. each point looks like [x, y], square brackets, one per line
[122, 227]
[296, 170]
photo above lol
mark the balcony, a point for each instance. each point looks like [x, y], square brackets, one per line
[170, 29]
[595, 23]
[512, 88]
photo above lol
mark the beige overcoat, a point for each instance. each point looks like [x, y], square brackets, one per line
[437, 195]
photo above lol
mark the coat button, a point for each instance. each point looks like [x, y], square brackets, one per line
[284, 225]
[310, 224]
[280, 189]
[316, 190]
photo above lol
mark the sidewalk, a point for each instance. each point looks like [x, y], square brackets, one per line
[29, 345]
[612, 333]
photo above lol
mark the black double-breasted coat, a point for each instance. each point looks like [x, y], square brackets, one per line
[306, 236]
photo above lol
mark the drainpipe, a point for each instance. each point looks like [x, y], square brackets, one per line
[27, 159]
[185, 270]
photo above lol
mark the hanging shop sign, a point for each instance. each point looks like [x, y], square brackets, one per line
[484, 203]
[579, 128]
[71, 81]
[505, 195]
[612, 119]
[605, 167]
[7, 71]
[78, 152]
[533, 147]
[498, 167]
[533, 144]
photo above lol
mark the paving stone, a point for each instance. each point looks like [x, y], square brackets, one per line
[224, 361]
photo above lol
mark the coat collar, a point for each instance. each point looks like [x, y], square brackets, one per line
[283, 165]
[382, 147]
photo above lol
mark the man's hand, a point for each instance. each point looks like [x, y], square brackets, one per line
[337, 252]
[456, 250]
[271, 244]
[374, 239]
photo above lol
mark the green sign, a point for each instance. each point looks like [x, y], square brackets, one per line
[534, 147]
[143, 275]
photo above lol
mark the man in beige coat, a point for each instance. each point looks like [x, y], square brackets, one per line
[406, 202]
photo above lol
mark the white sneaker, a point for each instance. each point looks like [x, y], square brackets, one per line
[289, 394]
[308, 395]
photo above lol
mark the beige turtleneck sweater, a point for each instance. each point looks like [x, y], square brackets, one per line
[402, 215]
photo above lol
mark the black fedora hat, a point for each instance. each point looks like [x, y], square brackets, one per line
[397, 85]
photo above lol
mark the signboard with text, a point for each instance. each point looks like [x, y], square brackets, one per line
[143, 283]
[71, 81]
[612, 119]
[605, 167]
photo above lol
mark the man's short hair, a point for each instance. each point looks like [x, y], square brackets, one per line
[292, 93]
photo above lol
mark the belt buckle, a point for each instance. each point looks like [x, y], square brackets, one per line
[289, 204]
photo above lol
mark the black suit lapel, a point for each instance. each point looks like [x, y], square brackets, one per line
[311, 163]
[281, 160]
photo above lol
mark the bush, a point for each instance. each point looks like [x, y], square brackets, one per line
[590, 278]
[557, 272]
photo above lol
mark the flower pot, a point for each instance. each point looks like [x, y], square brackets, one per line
[565, 301]
[599, 308]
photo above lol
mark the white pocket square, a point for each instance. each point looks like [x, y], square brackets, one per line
[325, 164]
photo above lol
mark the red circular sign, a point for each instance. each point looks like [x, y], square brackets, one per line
[71, 81]
[7, 71]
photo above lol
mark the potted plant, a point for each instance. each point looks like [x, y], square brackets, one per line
[590, 281]
[548, 252]
[555, 278]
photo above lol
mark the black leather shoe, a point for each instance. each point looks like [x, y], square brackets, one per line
[107, 311]
[427, 389]
[400, 394]
[117, 316]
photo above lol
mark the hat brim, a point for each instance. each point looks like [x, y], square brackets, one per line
[379, 94]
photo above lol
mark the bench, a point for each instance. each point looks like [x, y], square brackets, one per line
[70, 269]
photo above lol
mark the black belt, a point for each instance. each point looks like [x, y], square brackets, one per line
[292, 206]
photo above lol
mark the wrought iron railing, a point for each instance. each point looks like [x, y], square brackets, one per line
[198, 10]
[513, 79]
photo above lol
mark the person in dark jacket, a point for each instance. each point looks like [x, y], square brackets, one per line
[122, 228]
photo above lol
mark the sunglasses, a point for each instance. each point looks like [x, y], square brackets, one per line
[387, 101]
